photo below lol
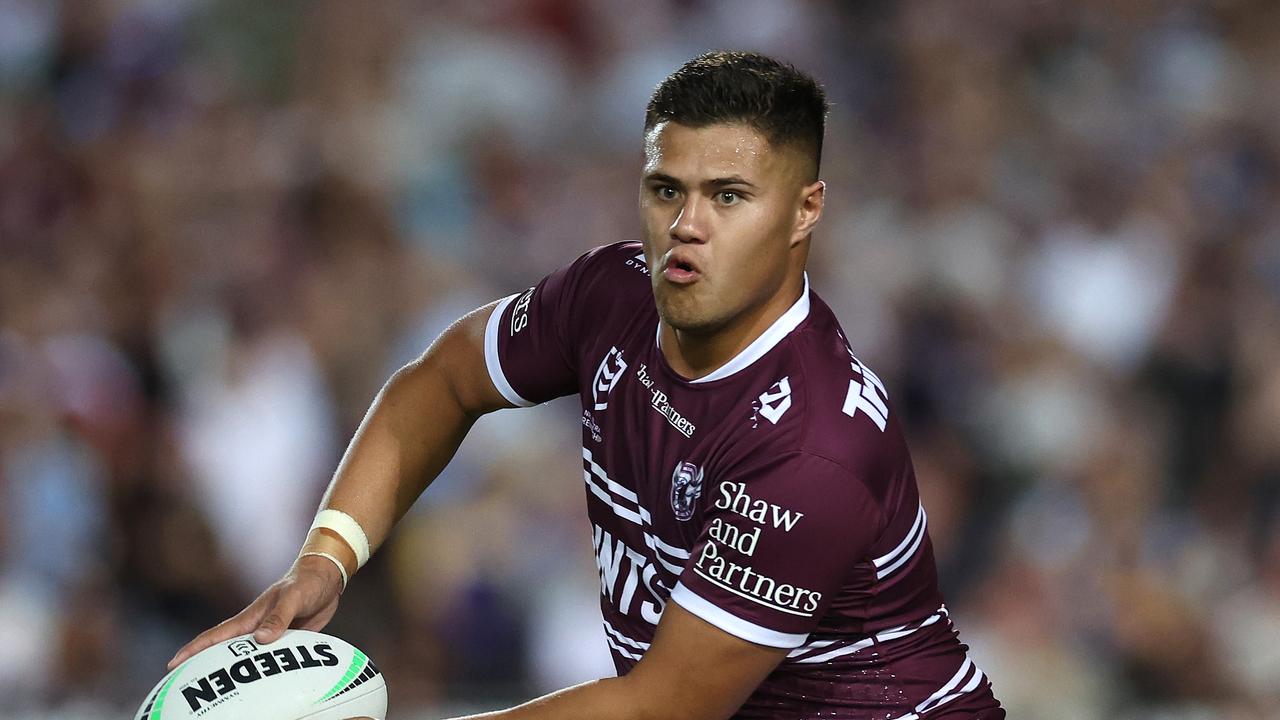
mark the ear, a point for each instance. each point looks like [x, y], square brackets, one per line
[812, 198]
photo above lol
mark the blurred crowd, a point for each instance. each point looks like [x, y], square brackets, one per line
[1052, 227]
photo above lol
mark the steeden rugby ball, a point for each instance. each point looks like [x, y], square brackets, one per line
[303, 675]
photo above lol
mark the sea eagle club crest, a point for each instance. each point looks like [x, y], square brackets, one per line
[686, 488]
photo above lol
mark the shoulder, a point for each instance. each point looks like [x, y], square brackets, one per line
[593, 289]
[615, 268]
[606, 288]
[829, 406]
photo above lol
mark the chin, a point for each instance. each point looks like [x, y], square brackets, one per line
[687, 309]
[687, 319]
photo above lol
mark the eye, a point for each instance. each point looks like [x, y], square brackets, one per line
[728, 197]
[666, 192]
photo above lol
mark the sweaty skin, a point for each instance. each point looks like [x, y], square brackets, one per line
[722, 199]
[719, 200]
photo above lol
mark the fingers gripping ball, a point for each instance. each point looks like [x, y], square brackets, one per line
[302, 676]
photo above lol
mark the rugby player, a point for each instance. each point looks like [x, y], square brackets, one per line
[762, 547]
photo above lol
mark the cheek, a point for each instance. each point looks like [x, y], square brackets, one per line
[762, 253]
[654, 220]
[764, 232]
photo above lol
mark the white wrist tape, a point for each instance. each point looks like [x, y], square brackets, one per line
[342, 570]
[348, 529]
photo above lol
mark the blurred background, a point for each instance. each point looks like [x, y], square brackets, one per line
[1053, 228]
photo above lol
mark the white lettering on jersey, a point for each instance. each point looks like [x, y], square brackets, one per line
[866, 393]
[610, 554]
[660, 403]
[744, 581]
[520, 313]
[734, 498]
[735, 537]
[591, 426]
[607, 376]
[638, 262]
[774, 402]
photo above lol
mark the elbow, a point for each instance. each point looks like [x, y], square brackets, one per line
[444, 378]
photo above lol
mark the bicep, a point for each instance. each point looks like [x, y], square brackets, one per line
[694, 669]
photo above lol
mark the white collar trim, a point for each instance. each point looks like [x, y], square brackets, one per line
[780, 328]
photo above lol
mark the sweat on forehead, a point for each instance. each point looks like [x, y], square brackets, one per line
[784, 105]
[724, 147]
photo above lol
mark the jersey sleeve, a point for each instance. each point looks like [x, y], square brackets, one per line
[776, 544]
[532, 339]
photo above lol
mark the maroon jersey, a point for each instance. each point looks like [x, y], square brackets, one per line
[773, 498]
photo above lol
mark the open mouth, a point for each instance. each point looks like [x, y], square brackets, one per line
[680, 271]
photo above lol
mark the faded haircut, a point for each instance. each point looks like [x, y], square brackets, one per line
[786, 106]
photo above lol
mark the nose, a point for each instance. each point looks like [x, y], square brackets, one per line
[689, 225]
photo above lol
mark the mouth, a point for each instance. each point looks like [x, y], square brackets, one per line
[680, 270]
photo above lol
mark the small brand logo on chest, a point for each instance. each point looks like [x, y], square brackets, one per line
[607, 376]
[662, 404]
[772, 403]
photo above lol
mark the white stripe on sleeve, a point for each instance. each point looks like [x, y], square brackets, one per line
[491, 359]
[733, 624]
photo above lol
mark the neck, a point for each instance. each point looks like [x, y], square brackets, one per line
[695, 355]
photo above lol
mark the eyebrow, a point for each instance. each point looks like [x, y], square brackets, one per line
[714, 182]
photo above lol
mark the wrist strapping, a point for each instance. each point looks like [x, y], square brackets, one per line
[346, 528]
[341, 569]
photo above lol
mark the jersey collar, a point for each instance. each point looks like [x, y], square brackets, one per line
[761, 345]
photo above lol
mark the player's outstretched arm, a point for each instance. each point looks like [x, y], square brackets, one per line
[408, 436]
[692, 671]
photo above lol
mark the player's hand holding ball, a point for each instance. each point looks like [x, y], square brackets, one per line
[305, 598]
[270, 661]
[254, 664]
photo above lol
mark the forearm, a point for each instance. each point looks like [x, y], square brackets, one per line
[411, 432]
[607, 699]
[692, 671]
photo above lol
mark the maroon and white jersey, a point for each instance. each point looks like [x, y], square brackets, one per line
[773, 498]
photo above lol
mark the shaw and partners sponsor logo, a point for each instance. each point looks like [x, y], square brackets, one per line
[520, 312]
[725, 558]
[734, 498]
[211, 689]
[686, 488]
[608, 373]
[622, 588]
[664, 407]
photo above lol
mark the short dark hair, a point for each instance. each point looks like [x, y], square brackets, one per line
[785, 105]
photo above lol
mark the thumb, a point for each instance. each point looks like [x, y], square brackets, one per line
[278, 618]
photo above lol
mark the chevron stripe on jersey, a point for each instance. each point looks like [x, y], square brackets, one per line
[626, 505]
[820, 651]
[889, 562]
[966, 680]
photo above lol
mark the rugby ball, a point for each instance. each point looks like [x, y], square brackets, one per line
[303, 675]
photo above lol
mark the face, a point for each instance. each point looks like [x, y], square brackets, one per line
[726, 221]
